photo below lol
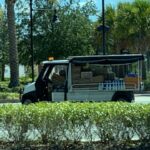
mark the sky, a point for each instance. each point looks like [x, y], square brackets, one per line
[1, 1]
[112, 2]
[98, 2]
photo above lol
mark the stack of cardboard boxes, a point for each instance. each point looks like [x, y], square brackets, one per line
[85, 77]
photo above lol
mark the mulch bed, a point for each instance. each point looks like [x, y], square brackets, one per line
[135, 145]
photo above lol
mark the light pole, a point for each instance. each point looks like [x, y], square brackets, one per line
[103, 31]
[103, 28]
[54, 20]
[31, 40]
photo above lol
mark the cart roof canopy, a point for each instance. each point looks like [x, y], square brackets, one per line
[107, 59]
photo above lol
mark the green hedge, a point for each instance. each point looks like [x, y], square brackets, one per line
[73, 125]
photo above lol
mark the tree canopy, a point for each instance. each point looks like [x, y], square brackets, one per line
[129, 27]
[76, 34]
[71, 36]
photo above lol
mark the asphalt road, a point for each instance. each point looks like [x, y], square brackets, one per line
[142, 98]
[139, 98]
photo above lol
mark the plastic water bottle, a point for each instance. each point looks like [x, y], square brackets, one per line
[109, 85]
[114, 85]
[122, 84]
[118, 84]
[106, 85]
[100, 86]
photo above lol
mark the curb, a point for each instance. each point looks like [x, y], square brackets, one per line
[9, 101]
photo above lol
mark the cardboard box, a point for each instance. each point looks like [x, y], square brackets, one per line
[86, 75]
[98, 79]
[132, 82]
[76, 77]
[82, 81]
[76, 68]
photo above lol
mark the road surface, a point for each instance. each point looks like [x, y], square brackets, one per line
[139, 98]
[142, 98]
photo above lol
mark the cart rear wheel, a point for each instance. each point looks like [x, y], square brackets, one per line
[123, 99]
[123, 96]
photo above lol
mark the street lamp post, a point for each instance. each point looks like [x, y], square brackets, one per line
[103, 31]
[54, 20]
[31, 40]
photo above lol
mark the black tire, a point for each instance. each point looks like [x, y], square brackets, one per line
[27, 101]
[123, 99]
[123, 96]
[29, 98]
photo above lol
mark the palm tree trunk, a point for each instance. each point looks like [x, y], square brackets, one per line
[13, 53]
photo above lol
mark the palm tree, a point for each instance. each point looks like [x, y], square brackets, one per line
[13, 52]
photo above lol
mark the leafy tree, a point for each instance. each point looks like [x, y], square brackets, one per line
[71, 36]
[133, 24]
[129, 26]
[13, 52]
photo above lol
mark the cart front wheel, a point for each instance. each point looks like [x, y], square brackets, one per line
[27, 101]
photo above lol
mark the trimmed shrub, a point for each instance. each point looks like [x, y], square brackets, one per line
[74, 125]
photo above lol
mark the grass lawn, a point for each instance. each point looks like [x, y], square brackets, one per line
[11, 94]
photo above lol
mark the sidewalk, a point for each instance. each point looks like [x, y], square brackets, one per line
[142, 92]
